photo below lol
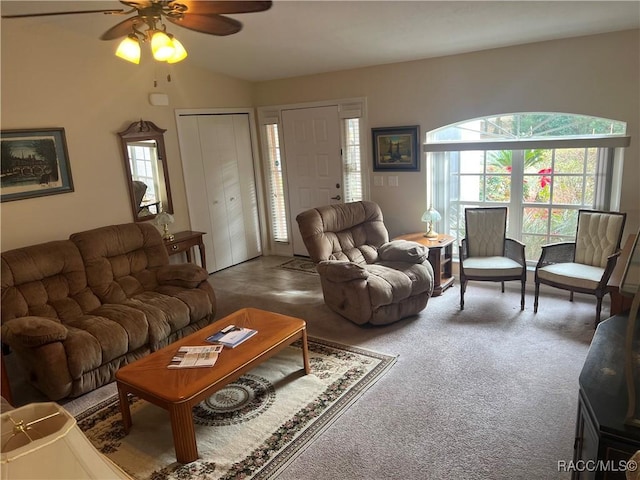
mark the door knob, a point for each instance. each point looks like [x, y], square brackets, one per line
[337, 197]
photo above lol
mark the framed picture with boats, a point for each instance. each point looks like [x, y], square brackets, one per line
[34, 163]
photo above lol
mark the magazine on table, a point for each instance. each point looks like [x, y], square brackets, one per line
[232, 336]
[194, 357]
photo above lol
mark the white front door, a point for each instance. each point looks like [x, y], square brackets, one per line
[314, 163]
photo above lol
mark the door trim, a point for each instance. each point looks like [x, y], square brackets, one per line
[257, 164]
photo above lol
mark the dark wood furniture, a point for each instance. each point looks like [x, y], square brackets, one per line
[601, 433]
[5, 386]
[184, 242]
[558, 261]
[620, 303]
[179, 390]
[440, 258]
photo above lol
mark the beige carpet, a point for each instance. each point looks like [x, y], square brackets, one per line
[252, 428]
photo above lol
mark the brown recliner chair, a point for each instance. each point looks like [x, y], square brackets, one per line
[365, 277]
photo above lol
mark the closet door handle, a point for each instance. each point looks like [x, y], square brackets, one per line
[337, 197]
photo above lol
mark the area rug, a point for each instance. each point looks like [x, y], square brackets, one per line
[250, 429]
[300, 265]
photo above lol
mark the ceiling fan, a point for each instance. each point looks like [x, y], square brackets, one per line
[205, 16]
[199, 15]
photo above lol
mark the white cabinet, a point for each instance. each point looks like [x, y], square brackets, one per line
[217, 161]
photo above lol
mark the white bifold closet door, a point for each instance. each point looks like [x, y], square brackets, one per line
[217, 161]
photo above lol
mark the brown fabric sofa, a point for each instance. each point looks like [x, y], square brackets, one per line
[74, 311]
[365, 277]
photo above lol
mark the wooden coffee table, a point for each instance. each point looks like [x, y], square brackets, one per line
[178, 390]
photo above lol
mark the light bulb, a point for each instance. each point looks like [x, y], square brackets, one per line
[129, 49]
[162, 46]
[179, 53]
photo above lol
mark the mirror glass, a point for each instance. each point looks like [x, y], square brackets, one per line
[146, 168]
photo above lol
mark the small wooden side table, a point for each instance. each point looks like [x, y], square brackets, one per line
[184, 242]
[440, 258]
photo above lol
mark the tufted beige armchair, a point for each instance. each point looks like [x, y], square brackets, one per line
[365, 277]
[584, 265]
[486, 254]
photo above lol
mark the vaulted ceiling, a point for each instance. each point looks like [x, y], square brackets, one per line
[306, 37]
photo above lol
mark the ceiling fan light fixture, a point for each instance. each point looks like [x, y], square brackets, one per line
[129, 49]
[179, 53]
[162, 46]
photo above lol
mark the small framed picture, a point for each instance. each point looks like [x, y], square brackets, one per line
[35, 163]
[396, 148]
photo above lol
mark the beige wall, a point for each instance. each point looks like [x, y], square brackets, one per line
[93, 95]
[596, 75]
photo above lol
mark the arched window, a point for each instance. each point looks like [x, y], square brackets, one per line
[543, 166]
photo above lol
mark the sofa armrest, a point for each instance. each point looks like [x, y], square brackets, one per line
[403, 251]
[337, 271]
[31, 332]
[186, 275]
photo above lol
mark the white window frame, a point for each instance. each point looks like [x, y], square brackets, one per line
[607, 196]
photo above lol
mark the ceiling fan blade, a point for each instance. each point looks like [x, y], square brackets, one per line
[212, 24]
[137, 4]
[121, 29]
[50, 14]
[201, 7]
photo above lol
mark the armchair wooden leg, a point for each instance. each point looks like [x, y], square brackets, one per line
[502, 284]
[598, 310]
[463, 287]
[571, 296]
[535, 299]
[522, 295]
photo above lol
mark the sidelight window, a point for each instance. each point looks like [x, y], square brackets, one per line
[351, 160]
[276, 185]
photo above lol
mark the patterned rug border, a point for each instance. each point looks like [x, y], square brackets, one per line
[312, 432]
[291, 265]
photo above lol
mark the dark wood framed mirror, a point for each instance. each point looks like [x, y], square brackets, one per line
[146, 168]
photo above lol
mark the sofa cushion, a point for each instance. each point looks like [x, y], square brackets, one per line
[46, 280]
[111, 341]
[393, 282]
[164, 314]
[197, 300]
[121, 260]
[131, 320]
